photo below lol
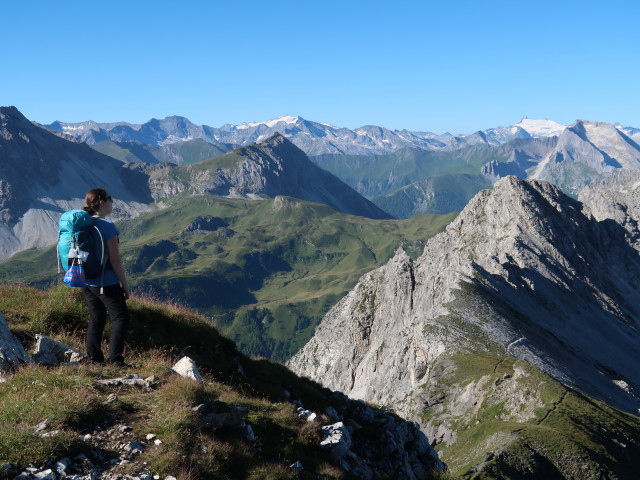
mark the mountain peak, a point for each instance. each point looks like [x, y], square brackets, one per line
[12, 116]
[522, 263]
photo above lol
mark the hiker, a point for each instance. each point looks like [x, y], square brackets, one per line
[109, 292]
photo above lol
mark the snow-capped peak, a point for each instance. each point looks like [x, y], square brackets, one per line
[540, 128]
[288, 119]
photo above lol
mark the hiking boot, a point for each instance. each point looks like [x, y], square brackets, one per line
[122, 364]
[87, 360]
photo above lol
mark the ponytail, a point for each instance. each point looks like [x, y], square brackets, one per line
[93, 198]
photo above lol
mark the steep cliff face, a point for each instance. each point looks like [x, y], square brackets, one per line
[522, 272]
[617, 198]
[585, 153]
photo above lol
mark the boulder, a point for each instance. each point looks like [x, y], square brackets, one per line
[219, 415]
[185, 367]
[51, 352]
[337, 439]
[12, 353]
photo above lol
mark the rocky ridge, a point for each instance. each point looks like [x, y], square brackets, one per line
[524, 271]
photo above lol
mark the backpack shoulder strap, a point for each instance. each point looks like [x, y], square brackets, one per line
[103, 260]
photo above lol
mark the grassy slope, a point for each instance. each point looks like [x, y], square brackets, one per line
[439, 194]
[183, 153]
[523, 424]
[378, 175]
[70, 400]
[267, 278]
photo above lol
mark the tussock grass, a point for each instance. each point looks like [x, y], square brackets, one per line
[70, 401]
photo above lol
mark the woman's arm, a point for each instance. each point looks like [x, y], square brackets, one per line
[116, 263]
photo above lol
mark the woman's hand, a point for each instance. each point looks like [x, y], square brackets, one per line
[116, 263]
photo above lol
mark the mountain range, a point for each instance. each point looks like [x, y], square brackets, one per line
[313, 138]
[510, 336]
[394, 169]
[43, 174]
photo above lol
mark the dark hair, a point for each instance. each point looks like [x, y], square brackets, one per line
[93, 198]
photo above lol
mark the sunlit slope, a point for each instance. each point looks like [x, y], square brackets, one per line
[266, 271]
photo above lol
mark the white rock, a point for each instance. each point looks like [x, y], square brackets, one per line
[336, 438]
[52, 352]
[45, 475]
[12, 353]
[185, 367]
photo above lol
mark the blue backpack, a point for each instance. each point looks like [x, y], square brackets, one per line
[76, 241]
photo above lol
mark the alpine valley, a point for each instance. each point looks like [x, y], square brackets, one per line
[484, 286]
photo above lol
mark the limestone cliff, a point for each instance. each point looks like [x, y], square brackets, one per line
[524, 272]
[617, 198]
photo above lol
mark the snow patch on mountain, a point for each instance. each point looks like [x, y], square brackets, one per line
[288, 119]
[539, 128]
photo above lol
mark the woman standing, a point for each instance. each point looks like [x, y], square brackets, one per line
[108, 293]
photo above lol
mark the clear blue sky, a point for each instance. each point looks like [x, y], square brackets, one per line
[456, 66]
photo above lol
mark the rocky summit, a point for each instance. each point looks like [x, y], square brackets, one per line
[524, 274]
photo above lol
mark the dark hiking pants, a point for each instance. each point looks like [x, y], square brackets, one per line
[111, 301]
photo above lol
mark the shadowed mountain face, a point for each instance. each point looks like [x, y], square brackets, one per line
[617, 198]
[43, 174]
[522, 270]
